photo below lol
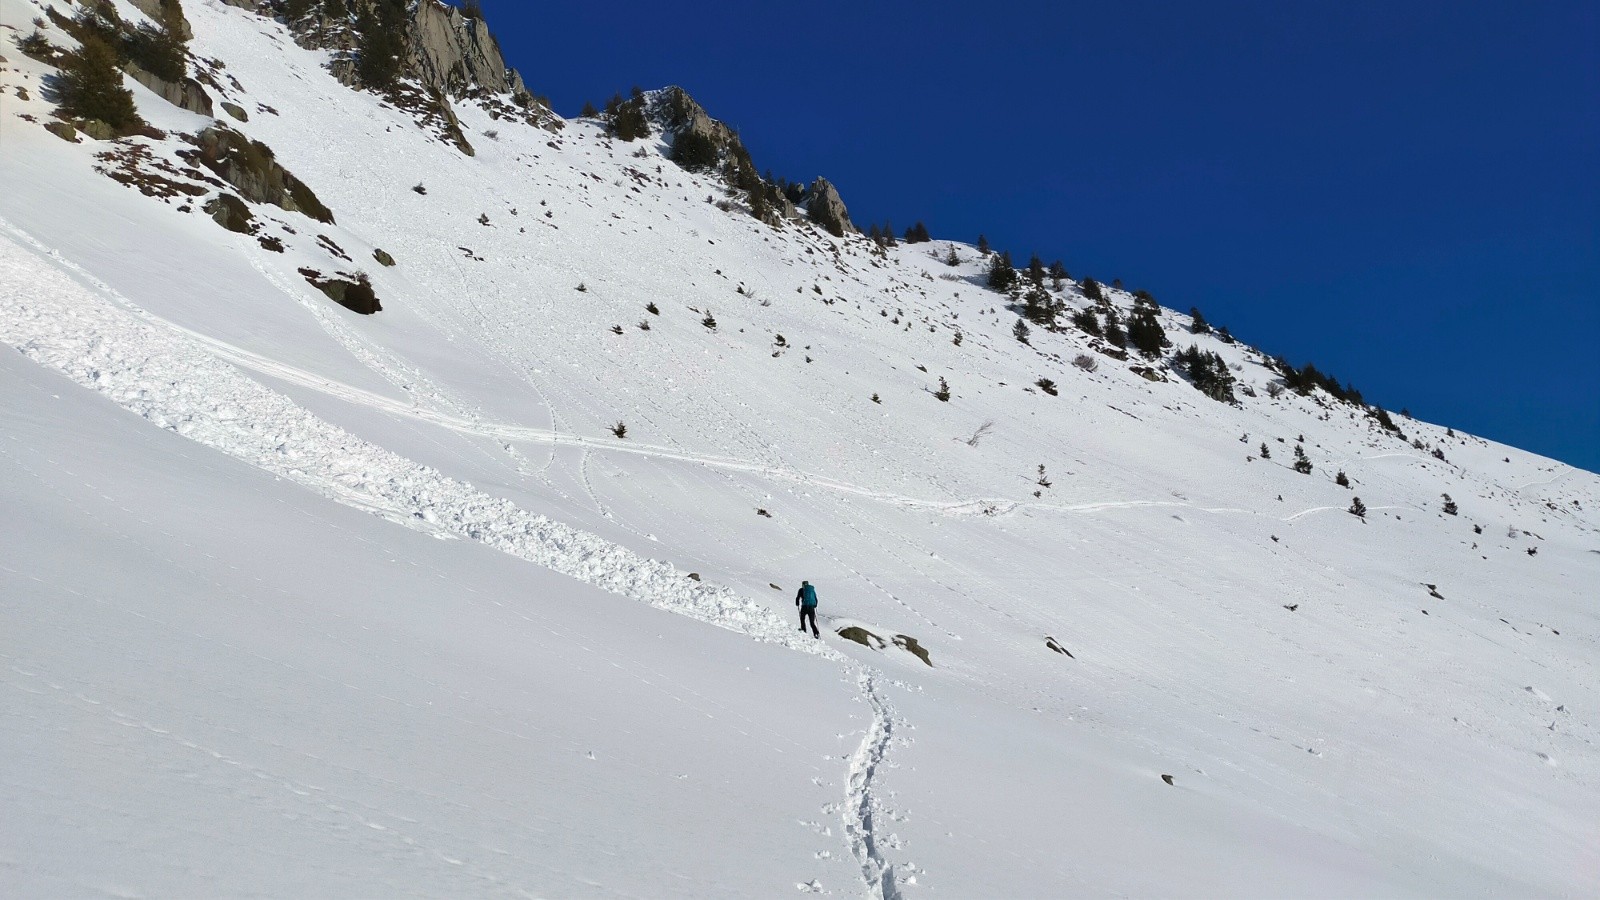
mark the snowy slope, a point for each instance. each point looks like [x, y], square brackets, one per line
[375, 587]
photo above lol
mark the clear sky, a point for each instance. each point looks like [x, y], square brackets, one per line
[1405, 193]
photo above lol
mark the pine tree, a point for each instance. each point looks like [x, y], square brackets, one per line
[1087, 322]
[943, 393]
[1091, 289]
[380, 30]
[91, 86]
[1357, 508]
[158, 51]
[690, 149]
[1449, 506]
[1058, 274]
[1145, 332]
[1209, 374]
[1199, 325]
[1002, 276]
[950, 258]
[1113, 330]
[628, 120]
[1301, 463]
[1342, 480]
[1265, 453]
[983, 245]
[588, 112]
[1020, 331]
[1039, 307]
[1036, 271]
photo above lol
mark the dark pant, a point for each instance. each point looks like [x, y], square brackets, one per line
[809, 612]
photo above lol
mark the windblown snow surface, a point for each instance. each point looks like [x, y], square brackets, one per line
[296, 602]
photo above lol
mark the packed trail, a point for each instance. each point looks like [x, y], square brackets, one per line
[303, 594]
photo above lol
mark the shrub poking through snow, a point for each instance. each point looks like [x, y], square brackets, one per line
[1357, 508]
[1046, 385]
[710, 321]
[1341, 479]
[620, 430]
[1449, 506]
[943, 393]
[652, 309]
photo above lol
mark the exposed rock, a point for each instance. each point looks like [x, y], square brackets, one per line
[1147, 373]
[457, 55]
[826, 209]
[383, 257]
[698, 141]
[157, 9]
[231, 213]
[94, 128]
[63, 130]
[353, 292]
[186, 94]
[680, 117]
[910, 644]
[235, 110]
[250, 167]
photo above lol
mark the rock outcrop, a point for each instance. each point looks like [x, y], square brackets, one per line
[678, 116]
[826, 209]
[250, 167]
[457, 55]
[351, 291]
[698, 141]
[169, 12]
[186, 94]
[447, 52]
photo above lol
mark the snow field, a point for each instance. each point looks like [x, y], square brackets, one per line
[1375, 739]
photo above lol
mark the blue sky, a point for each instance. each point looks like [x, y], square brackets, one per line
[1406, 194]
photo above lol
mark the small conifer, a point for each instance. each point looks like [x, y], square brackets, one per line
[91, 86]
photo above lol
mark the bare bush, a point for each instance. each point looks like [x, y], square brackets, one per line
[1086, 362]
[980, 434]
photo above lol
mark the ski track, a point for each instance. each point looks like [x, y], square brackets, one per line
[183, 382]
[551, 436]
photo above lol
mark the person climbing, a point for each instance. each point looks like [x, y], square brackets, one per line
[806, 599]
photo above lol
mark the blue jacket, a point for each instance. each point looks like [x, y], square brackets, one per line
[807, 595]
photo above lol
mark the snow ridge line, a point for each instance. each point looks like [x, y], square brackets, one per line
[166, 378]
[861, 803]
